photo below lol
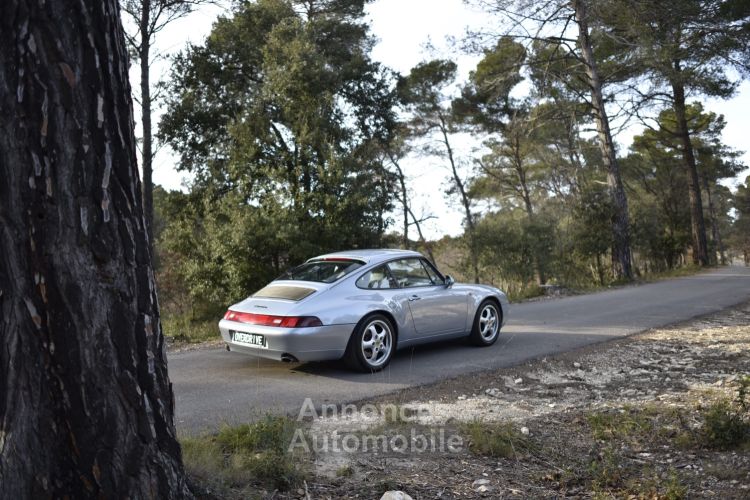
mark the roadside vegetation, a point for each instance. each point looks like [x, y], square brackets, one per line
[238, 462]
[185, 328]
[664, 414]
[295, 141]
[182, 329]
[615, 435]
[290, 160]
[498, 440]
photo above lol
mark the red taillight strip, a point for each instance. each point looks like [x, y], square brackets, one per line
[269, 320]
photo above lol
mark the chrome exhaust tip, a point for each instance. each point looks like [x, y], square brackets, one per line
[288, 358]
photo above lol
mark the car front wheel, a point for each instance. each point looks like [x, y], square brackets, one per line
[372, 344]
[486, 328]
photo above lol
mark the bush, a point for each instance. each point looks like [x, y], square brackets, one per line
[727, 422]
[245, 454]
[500, 440]
[184, 329]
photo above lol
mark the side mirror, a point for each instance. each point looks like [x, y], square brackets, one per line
[449, 280]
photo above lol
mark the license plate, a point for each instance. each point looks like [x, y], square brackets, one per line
[251, 339]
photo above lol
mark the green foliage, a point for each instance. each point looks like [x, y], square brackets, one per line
[498, 440]
[687, 47]
[657, 487]
[629, 424]
[606, 471]
[727, 423]
[525, 293]
[271, 433]
[285, 122]
[726, 426]
[674, 49]
[431, 120]
[345, 471]
[249, 453]
[626, 429]
[281, 116]
[592, 214]
[485, 100]
[182, 328]
[424, 84]
[740, 236]
[511, 245]
[661, 216]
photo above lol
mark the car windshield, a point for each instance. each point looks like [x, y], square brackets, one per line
[322, 271]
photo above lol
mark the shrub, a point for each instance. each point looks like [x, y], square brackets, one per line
[496, 439]
[240, 455]
[727, 422]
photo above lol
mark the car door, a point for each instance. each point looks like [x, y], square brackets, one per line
[435, 308]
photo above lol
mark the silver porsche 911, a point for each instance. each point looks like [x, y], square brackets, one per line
[361, 305]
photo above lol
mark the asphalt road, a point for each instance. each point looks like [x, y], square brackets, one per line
[213, 386]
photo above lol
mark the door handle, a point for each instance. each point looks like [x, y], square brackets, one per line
[414, 297]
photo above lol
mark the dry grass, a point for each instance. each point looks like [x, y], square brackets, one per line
[238, 459]
[184, 330]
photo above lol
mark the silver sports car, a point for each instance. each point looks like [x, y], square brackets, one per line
[361, 305]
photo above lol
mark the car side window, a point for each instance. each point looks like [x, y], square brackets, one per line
[378, 277]
[409, 273]
[432, 272]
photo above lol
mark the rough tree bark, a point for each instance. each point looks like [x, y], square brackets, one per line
[86, 407]
[621, 254]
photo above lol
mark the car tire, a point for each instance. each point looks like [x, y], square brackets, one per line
[486, 327]
[372, 344]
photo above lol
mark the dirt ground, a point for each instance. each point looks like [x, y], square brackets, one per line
[624, 419]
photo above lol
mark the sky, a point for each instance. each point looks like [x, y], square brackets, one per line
[409, 32]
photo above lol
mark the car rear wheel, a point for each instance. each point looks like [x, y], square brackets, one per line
[486, 328]
[372, 344]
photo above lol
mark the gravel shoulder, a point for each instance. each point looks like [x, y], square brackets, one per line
[623, 419]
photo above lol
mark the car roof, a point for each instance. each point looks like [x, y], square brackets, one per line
[370, 256]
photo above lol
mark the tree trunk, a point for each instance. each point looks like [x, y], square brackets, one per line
[408, 213]
[621, 255]
[464, 201]
[404, 198]
[147, 148]
[697, 224]
[427, 245]
[518, 164]
[715, 234]
[539, 273]
[599, 268]
[86, 407]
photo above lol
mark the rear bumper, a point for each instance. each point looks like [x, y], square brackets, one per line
[305, 344]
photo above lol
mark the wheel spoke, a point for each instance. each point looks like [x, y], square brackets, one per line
[376, 343]
[488, 325]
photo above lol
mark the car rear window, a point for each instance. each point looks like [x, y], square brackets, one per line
[322, 271]
[284, 292]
